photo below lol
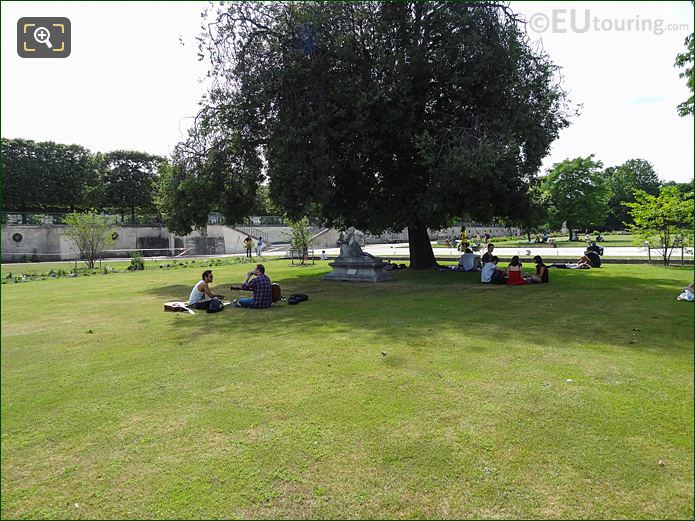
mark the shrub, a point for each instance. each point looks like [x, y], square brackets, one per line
[137, 261]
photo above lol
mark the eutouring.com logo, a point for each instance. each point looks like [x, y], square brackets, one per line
[43, 37]
[581, 21]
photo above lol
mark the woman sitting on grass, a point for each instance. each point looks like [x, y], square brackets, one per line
[541, 275]
[514, 272]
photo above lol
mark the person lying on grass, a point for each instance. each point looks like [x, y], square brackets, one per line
[261, 287]
[201, 294]
[541, 275]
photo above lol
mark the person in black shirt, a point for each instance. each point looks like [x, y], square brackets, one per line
[590, 259]
[541, 275]
[487, 256]
[595, 248]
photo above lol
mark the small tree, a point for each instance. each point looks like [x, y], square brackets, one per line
[301, 237]
[91, 234]
[665, 219]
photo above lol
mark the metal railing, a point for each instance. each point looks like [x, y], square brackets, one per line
[253, 232]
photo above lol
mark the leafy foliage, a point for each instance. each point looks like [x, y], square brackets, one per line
[91, 233]
[208, 173]
[130, 179]
[665, 220]
[685, 61]
[379, 115]
[623, 181]
[301, 237]
[47, 176]
[137, 261]
[577, 193]
[264, 204]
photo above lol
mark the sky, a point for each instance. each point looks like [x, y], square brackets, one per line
[133, 81]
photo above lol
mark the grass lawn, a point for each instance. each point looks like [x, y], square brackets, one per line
[431, 396]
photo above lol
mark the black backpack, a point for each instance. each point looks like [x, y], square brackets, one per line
[498, 277]
[215, 306]
[297, 298]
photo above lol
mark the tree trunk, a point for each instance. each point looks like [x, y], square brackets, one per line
[132, 215]
[421, 254]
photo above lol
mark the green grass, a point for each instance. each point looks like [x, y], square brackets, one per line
[431, 396]
[43, 268]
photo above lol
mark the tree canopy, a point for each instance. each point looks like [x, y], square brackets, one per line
[47, 176]
[623, 181]
[577, 193]
[379, 115]
[53, 177]
[130, 179]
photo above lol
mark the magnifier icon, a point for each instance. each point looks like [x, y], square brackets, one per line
[43, 35]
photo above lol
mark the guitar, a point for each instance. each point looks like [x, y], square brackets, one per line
[275, 291]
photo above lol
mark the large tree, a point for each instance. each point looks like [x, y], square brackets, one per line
[623, 181]
[130, 180]
[48, 176]
[577, 193]
[382, 115]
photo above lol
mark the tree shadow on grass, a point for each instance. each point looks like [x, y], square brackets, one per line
[629, 311]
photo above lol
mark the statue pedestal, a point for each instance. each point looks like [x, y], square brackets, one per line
[354, 269]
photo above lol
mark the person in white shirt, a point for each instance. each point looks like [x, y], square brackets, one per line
[201, 294]
[323, 255]
[489, 270]
[469, 261]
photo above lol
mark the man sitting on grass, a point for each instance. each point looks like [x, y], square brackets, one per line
[469, 261]
[201, 295]
[261, 287]
[487, 256]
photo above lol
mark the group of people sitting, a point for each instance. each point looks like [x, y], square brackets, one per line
[202, 296]
[512, 275]
[487, 265]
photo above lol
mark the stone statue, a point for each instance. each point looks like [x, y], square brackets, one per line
[355, 265]
[350, 246]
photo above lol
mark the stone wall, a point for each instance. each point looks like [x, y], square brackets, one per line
[49, 242]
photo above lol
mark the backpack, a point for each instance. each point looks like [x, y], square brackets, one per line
[215, 306]
[297, 298]
[498, 277]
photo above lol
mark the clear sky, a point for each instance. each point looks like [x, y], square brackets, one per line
[130, 84]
